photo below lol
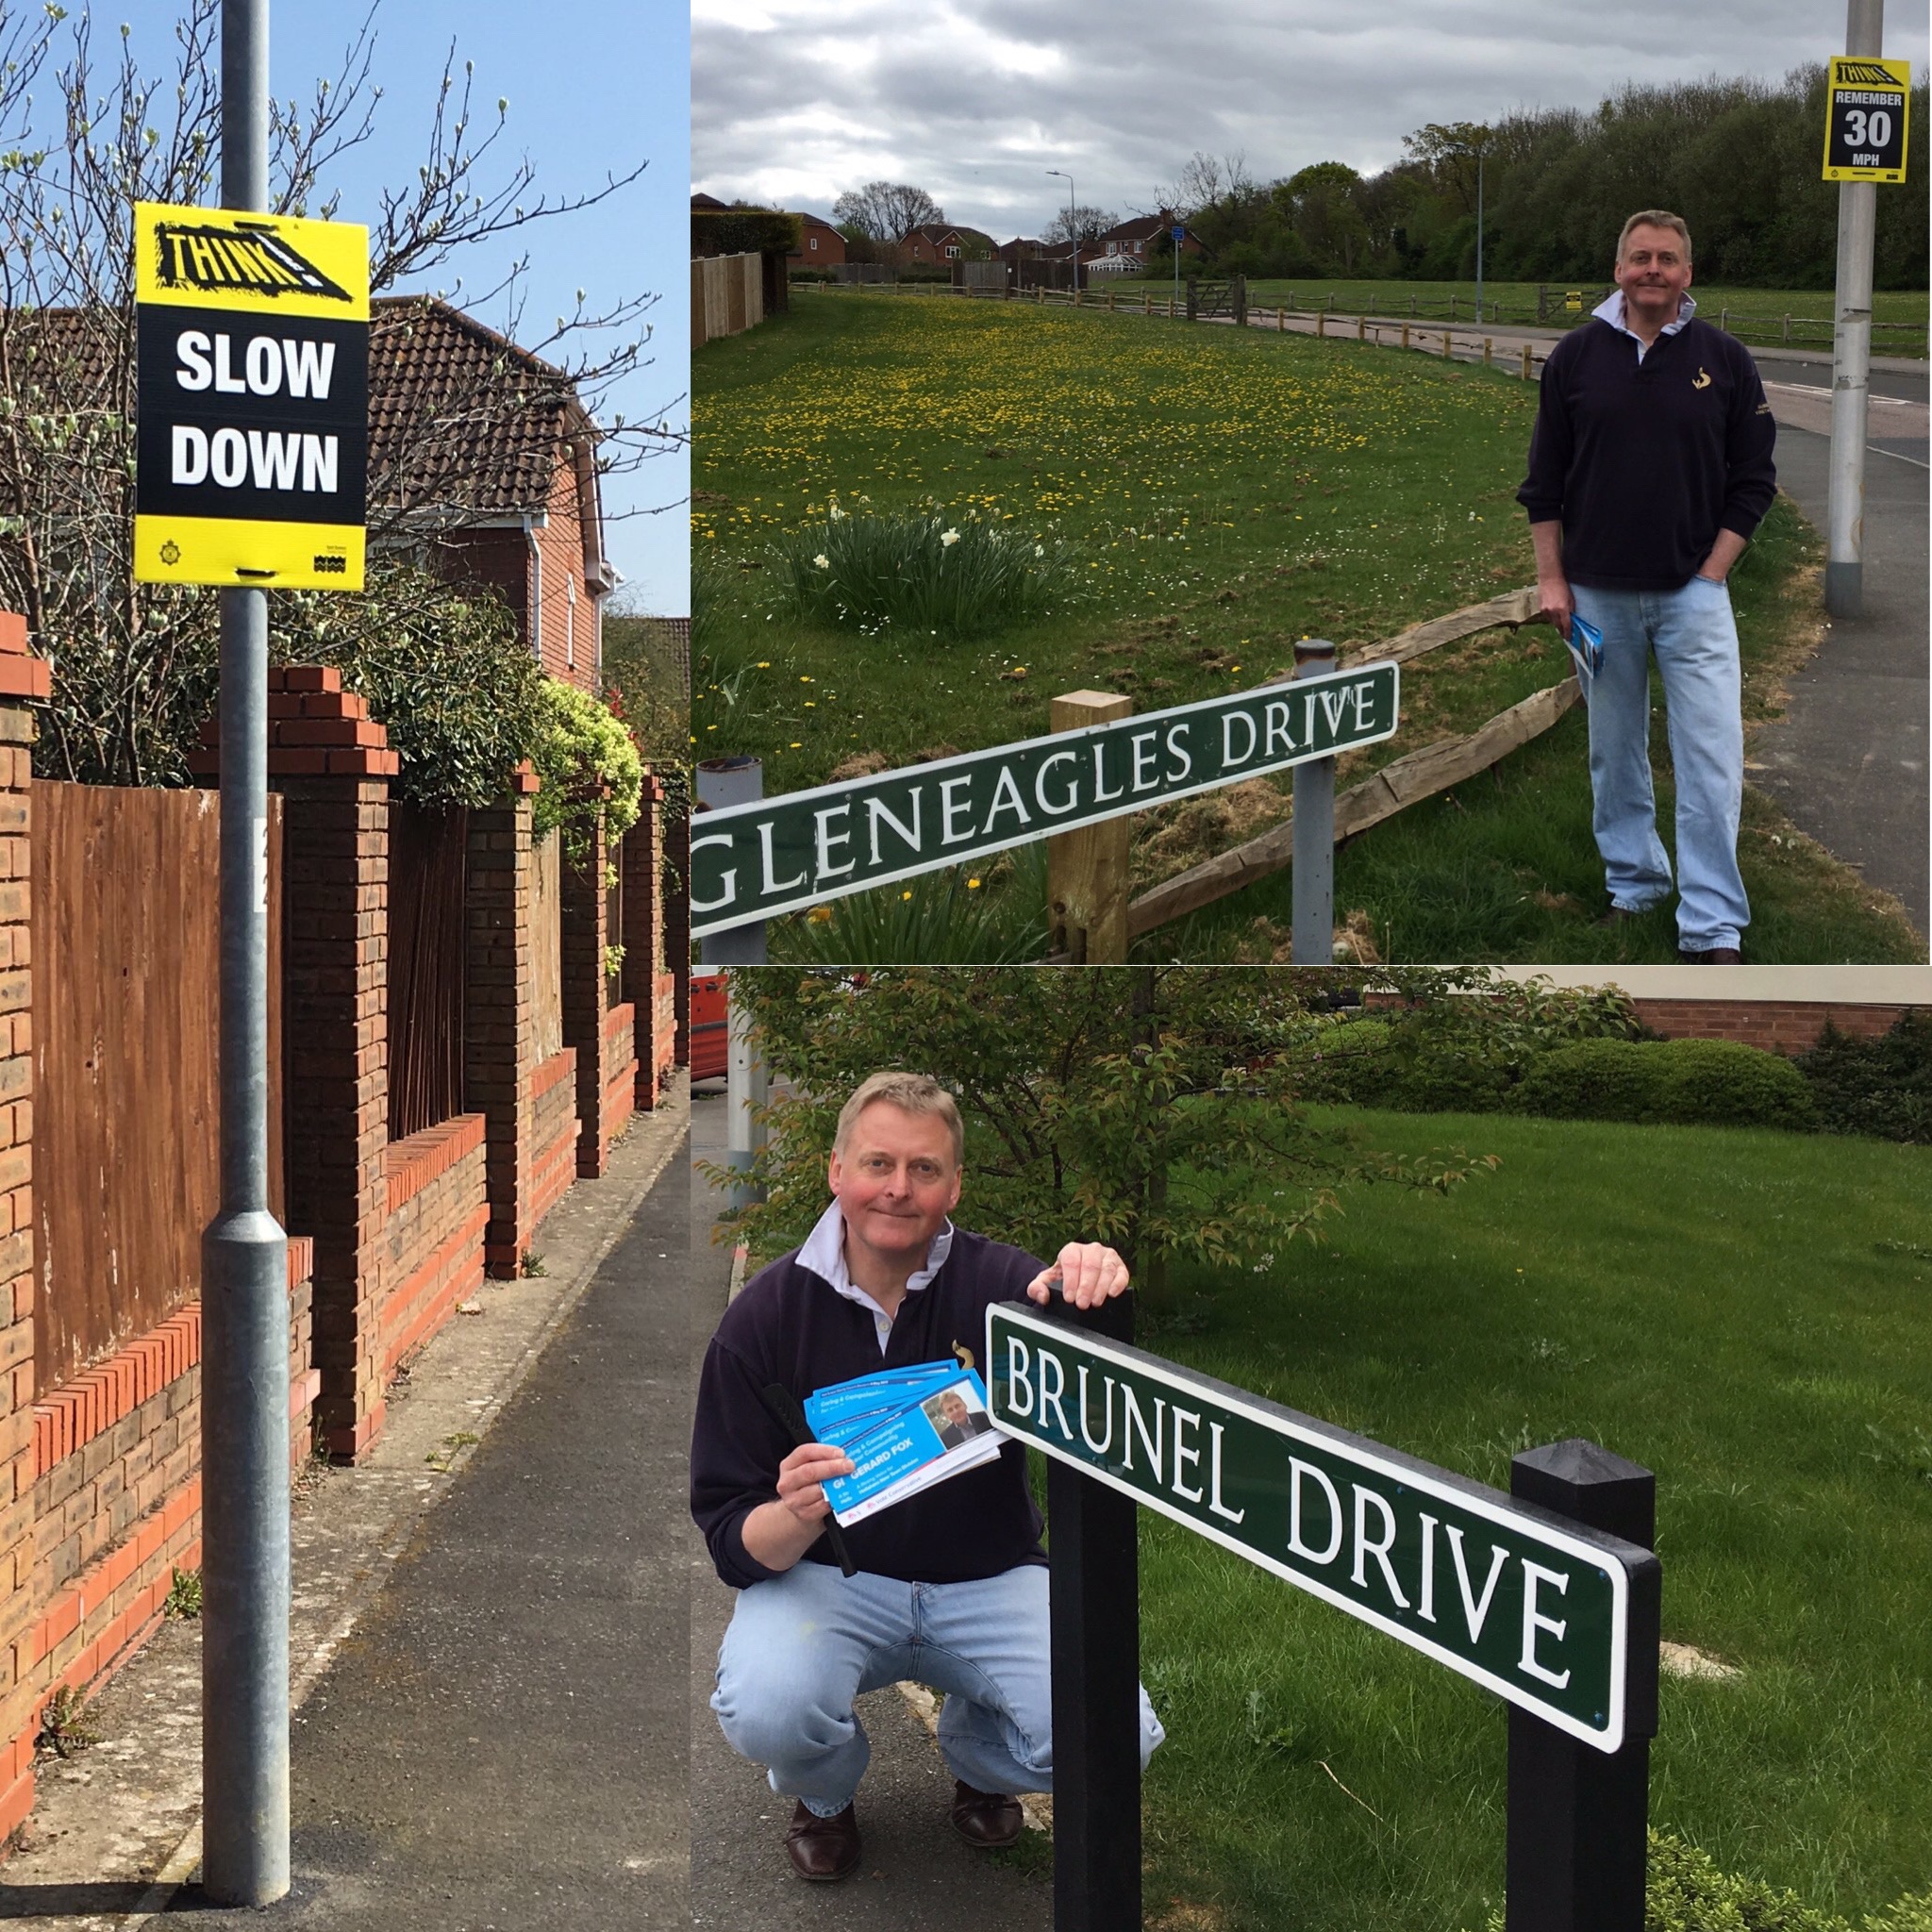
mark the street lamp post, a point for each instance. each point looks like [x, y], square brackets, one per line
[1073, 228]
[1479, 238]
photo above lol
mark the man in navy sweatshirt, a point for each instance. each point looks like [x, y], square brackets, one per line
[1649, 468]
[952, 1583]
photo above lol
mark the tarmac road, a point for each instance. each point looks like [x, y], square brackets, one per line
[501, 1743]
[916, 1875]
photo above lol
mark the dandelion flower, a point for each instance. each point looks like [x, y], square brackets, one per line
[973, 885]
[904, 895]
[820, 915]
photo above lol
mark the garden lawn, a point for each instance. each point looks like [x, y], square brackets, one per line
[1223, 493]
[1743, 1312]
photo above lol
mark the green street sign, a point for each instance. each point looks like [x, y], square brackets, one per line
[1535, 1609]
[755, 861]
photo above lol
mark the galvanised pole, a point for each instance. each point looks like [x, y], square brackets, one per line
[1851, 373]
[244, 1389]
[725, 782]
[1478, 238]
[1312, 884]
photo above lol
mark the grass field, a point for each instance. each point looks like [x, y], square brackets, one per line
[1223, 493]
[1742, 1312]
[1754, 315]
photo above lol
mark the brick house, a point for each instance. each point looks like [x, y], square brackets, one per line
[1128, 244]
[483, 452]
[938, 243]
[820, 245]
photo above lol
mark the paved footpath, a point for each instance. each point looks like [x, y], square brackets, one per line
[491, 1637]
[916, 1875]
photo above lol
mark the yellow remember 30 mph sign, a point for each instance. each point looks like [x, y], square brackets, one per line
[252, 399]
[1867, 103]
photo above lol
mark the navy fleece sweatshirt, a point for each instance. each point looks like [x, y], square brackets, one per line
[1644, 462]
[791, 1328]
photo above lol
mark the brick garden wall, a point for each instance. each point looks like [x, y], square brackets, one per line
[1786, 1027]
[554, 1131]
[438, 1210]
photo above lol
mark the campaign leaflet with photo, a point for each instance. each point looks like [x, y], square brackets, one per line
[905, 1430]
[1586, 652]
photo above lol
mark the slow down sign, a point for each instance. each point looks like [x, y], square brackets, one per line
[252, 387]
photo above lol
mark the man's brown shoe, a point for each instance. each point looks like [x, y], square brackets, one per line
[988, 1818]
[1715, 956]
[823, 1849]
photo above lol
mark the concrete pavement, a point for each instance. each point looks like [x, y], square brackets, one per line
[489, 1640]
[916, 1875]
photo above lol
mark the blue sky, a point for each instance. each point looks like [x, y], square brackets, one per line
[593, 88]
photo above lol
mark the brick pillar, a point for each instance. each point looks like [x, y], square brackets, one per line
[332, 764]
[678, 929]
[643, 858]
[586, 991]
[21, 677]
[499, 1024]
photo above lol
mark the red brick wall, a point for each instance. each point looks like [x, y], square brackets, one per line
[554, 1131]
[621, 1071]
[116, 1507]
[439, 1208]
[1787, 1027]
[568, 630]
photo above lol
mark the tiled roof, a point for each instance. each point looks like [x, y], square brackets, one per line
[460, 417]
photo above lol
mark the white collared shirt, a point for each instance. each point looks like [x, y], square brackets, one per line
[823, 1254]
[1611, 311]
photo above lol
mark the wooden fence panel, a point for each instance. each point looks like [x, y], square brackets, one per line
[546, 948]
[427, 865]
[126, 1048]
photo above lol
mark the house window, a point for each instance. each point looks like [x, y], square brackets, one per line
[814, 241]
[951, 251]
[570, 622]
[1113, 248]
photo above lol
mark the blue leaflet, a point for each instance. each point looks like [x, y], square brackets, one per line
[885, 1423]
[1586, 652]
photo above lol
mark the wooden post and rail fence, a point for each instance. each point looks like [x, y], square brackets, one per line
[1550, 1597]
[1078, 786]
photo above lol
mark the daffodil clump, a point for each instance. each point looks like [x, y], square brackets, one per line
[902, 571]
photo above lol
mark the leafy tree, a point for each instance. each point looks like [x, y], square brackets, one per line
[1151, 1107]
[1087, 224]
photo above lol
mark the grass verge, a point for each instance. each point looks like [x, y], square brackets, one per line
[1710, 1302]
[1221, 494]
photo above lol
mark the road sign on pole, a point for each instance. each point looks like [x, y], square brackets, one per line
[757, 860]
[252, 398]
[1552, 1618]
[1864, 144]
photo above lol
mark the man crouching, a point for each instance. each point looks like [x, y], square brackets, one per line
[952, 1582]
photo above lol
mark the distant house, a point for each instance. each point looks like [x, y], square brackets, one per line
[938, 243]
[483, 453]
[820, 245]
[1020, 248]
[1129, 242]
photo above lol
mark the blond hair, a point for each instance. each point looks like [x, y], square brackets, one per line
[1655, 218]
[914, 1093]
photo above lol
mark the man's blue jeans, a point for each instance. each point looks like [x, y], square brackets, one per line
[803, 1646]
[1694, 638]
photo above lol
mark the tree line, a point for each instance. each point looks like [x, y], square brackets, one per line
[1740, 159]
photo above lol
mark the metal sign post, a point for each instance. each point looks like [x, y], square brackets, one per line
[1864, 144]
[244, 1370]
[723, 784]
[1312, 916]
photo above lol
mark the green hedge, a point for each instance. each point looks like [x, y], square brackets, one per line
[1879, 1087]
[1681, 1082]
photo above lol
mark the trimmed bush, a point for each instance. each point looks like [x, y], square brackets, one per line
[1879, 1087]
[1677, 1082]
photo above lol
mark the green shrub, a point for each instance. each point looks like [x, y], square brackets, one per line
[1679, 1082]
[990, 914]
[1687, 1892]
[908, 571]
[1879, 1087]
[589, 762]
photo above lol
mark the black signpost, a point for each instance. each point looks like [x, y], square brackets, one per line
[1548, 1596]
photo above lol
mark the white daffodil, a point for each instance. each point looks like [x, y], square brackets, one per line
[947, 538]
[835, 513]
[822, 561]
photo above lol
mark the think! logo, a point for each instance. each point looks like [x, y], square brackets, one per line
[225, 261]
[1864, 74]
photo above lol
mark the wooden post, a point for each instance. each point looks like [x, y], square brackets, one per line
[1087, 869]
[1320, 322]
[1577, 1815]
[1110, 293]
[1485, 351]
[1361, 329]
[1404, 335]
[1445, 345]
[1281, 319]
[1094, 1635]
[1526, 362]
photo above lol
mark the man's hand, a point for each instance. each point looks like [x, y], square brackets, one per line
[1555, 604]
[802, 1477]
[1724, 554]
[1087, 1272]
[779, 1534]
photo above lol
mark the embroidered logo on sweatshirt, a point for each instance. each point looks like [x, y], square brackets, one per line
[1702, 381]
